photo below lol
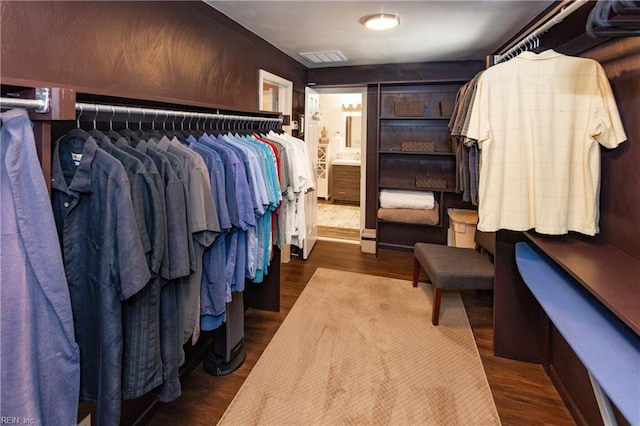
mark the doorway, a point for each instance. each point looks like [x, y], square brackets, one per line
[275, 94]
[340, 170]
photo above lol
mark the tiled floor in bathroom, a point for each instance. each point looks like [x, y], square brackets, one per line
[338, 221]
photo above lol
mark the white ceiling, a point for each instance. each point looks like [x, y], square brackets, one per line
[429, 30]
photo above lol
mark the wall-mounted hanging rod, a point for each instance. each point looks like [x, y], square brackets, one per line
[39, 104]
[532, 36]
[164, 114]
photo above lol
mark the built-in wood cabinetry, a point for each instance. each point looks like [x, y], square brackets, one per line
[345, 183]
[415, 153]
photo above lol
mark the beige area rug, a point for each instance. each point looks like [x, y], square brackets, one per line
[360, 350]
[339, 216]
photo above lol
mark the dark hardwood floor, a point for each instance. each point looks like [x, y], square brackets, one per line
[331, 232]
[523, 393]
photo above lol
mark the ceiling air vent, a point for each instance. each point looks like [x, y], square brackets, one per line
[324, 57]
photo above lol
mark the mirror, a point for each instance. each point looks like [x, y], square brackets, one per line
[353, 131]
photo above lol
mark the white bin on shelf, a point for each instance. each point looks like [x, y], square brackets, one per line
[462, 227]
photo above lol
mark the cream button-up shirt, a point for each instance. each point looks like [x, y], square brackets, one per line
[539, 119]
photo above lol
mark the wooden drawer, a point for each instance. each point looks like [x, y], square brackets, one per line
[349, 171]
[345, 183]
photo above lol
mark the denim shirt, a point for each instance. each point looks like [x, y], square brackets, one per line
[104, 261]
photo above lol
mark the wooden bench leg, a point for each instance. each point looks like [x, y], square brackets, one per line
[416, 271]
[437, 296]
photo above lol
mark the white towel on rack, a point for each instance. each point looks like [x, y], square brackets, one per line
[403, 199]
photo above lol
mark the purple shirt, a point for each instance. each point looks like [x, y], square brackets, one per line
[40, 360]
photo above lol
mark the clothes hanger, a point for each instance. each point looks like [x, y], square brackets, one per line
[112, 134]
[190, 131]
[214, 121]
[153, 132]
[153, 123]
[164, 122]
[127, 133]
[206, 127]
[95, 119]
[196, 132]
[172, 132]
[79, 131]
[101, 138]
[222, 129]
[79, 115]
[242, 127]
[184, 134]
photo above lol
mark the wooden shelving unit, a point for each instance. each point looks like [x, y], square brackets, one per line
[414, 152]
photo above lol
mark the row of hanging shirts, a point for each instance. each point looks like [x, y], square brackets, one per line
[157, 228]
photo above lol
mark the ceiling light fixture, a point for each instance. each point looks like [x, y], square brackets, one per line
[380, 21]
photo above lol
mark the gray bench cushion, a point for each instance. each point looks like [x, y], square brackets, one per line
[454, 268]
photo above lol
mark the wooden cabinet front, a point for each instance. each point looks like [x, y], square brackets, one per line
[345, 183]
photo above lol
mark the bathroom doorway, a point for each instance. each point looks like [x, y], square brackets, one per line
[341, 167]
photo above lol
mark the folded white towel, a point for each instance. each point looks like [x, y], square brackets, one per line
[403, 199]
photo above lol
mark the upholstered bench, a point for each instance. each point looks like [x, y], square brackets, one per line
[455, 268]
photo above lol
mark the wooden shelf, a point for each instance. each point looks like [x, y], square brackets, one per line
[608, 273]
[418, 87]
[441, 81]
[428, 107]
[400, 247]
[412, 189]
[397, 234]
[437, 225]
[390, 152]
[388, 118]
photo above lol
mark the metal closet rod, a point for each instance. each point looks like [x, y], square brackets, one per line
[39, 104]
[165, 114]
[565, 11]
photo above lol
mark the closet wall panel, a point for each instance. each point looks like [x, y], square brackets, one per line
[619, 195]
[363, 74]
[182, 52]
